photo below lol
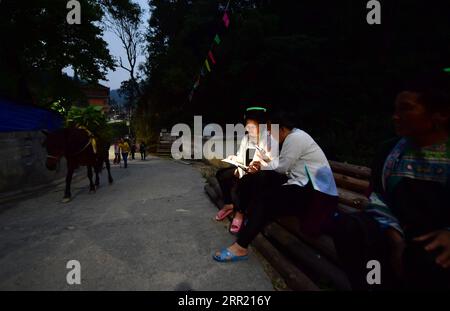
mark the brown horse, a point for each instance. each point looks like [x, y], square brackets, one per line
[76, 146]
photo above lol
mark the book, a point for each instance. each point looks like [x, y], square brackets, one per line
[237, 164]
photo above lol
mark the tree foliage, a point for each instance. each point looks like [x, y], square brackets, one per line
[126, 25]
[91, 118]
[37, 43]
[319, 59]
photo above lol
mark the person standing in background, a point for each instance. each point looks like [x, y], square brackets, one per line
[142, 150]
[116, 153]
[125, 149]
[133, 149]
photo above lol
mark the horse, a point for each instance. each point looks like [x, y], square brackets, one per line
[77, 147]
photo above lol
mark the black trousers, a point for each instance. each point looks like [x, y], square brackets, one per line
[228, 184]
[263, 197]
[250, 185]
[358, 239]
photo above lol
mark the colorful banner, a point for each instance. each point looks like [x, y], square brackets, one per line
[217, 41]
[207, 65]
[211, 57]
[226, 20]
[197, 83]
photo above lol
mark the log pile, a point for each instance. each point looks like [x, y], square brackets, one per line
[308, 263]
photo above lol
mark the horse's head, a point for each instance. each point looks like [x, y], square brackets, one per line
[55, 145]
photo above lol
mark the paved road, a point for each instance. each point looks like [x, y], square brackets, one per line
[153, 229]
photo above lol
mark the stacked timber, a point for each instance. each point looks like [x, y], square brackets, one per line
[165, 142]
[308, 263]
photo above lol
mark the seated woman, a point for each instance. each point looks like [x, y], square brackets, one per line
[406, 225]
[228, 178]
[298, 182]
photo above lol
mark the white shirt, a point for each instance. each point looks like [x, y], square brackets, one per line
[266, 142]
[301, 159]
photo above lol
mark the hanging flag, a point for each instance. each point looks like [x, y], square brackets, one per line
[197, 83]
[217, 39]
[211, 57]
[207, 65]
[226, 19]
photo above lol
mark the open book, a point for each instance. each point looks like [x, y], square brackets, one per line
[237, 164]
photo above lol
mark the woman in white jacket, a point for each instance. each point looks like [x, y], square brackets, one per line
[256, 138]
[299, 182]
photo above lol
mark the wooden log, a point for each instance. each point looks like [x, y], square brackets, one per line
[323, 244]
[352, 199]
[294, 278]
[212, 194]
[347, 209]
[351, 170]
[351, 183]
[317, 267]
[167, 136]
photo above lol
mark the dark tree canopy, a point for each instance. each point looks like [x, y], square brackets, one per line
[319, 59]
[37, 43]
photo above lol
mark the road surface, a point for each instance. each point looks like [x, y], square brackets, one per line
[153, 229]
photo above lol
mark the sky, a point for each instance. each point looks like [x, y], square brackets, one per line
[116, 77]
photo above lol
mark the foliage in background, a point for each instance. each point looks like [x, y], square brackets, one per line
[38, 43]
[126, 26]
[92, 118]
[118, 130]
[319, 59]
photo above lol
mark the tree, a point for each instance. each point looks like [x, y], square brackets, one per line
[125, 24]
[319, 59]
[37, 40]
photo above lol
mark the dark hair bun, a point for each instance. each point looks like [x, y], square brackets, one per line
[257, 113]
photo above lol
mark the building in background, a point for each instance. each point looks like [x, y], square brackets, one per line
[97, 95]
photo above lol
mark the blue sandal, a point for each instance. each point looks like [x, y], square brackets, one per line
[228, 256]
